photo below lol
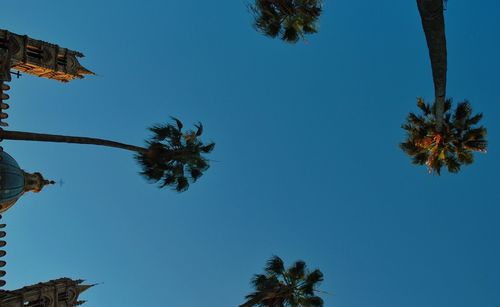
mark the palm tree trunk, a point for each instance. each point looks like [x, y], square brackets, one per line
[431, 13]
[40, 137]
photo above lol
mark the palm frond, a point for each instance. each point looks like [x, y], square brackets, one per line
[311, 281]
[447, 105]
[275, 265]
[290, 35]
[452, 164]
[207, 148]
[289, 19]
[474, 119]
[182, 184]
[315, 277]
[426, 109]
[420, 158]
[297, 270]
[259, 281]
[464, 156]
[178, 122]
[195, 174]
[463, 111]
[199, 129]
[311, 301]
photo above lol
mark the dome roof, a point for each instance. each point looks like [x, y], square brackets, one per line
[11, 181]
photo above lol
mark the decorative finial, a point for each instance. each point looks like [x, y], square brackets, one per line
[35, 182]
[82, 288]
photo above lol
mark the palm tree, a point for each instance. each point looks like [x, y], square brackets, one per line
[280, 287]
[172, 158]
[437, 139]
[453, 146]
[290, 19]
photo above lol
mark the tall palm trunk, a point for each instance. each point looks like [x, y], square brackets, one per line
[40, 137]
[431, 13]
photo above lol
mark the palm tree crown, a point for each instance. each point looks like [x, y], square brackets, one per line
[452, 146]
[280, 287]
[174, 158]
[289, 19]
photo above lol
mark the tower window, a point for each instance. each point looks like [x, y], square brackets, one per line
[63, 296]
[61, 60]
[34, 52]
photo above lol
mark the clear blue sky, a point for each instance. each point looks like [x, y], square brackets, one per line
[307, 164]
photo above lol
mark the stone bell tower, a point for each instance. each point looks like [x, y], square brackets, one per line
[38, 58]
[34, 57]
[62, 292]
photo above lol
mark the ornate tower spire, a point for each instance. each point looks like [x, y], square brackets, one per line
[82, 288]
[35, 182]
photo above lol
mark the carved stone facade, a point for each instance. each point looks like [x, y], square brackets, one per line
[62, 292]
[38, 58]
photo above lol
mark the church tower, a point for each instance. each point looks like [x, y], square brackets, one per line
[38, 58]
[34, 57]
[62, 292]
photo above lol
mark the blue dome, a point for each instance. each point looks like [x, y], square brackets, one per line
[11, 180]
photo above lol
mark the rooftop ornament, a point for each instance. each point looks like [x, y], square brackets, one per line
[14, 182]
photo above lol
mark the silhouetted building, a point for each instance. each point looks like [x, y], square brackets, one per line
[62, 292]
